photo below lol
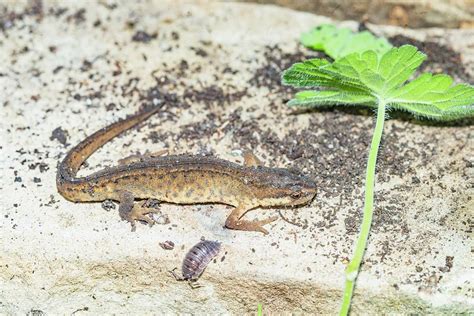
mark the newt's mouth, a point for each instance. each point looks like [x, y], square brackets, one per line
[306, 197]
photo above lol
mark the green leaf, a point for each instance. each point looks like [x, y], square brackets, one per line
[340, 42]
[330, 97]
[367, 78]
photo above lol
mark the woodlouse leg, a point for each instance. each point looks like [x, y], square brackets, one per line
[177, 277]
[194, 284]
[233, 221]
[250, 160]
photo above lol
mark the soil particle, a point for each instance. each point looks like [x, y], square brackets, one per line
[57, 69]
[108, 205]
[86, 65]
[35, 312]
[448, 265]
[155, 137]
[441, 59]
[60, 135]
[175, 36]
[144, 37]
[57, 11]
[78, 17]
[199, 52]
[43, 167]
[35, 8]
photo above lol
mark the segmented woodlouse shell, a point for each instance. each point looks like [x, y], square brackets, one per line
[197, 259]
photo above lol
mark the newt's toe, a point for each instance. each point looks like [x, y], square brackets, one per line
[256, 226]
[140, 213]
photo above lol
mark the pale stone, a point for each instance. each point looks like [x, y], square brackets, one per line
[59, 257]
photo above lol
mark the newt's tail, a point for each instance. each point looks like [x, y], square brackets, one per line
[69, 167]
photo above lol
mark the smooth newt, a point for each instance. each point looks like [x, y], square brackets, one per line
[180, 179]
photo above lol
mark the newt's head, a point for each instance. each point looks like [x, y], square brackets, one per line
[280, 187]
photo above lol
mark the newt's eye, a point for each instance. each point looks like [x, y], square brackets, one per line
[295, 195]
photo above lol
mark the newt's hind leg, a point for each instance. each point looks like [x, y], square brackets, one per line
[233, 221]
[142, 157]
[250, 160]
[131, 212]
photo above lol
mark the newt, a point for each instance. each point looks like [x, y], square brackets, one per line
[180, 179]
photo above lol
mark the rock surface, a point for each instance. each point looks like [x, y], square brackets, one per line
[69, 69]
[406, 13]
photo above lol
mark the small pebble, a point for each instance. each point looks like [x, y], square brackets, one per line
[160, 218]
[167, 245]
[108, 205]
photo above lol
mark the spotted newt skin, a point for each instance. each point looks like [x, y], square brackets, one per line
[180, 179]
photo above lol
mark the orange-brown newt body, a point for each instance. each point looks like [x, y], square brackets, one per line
[180, 179]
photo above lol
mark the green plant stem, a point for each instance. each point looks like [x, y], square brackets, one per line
[352, 269]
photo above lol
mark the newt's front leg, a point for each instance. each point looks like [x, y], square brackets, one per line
[233, 221]
[131, 212]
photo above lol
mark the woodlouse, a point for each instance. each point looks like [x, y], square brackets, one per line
[197, 259]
